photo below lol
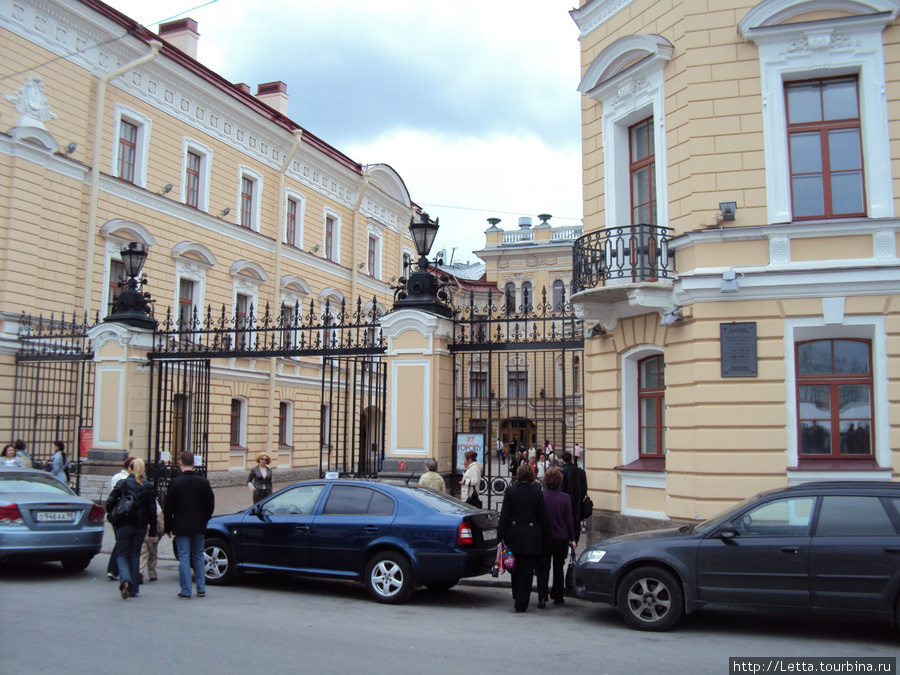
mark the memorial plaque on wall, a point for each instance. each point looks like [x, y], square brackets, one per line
[737, 342]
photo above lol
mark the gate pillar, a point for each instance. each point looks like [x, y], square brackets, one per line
[121, 402]
[419, 392]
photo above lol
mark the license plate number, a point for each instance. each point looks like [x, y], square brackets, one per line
[490, 534]
[55, 516]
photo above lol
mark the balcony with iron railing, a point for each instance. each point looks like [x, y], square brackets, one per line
[619, 256]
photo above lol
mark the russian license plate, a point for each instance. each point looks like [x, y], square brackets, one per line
[55, 516]
[490, 534]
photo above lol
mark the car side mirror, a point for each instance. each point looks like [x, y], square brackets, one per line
[728, 531]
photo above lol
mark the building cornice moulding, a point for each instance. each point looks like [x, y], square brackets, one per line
[43, 157]
[798, 230]
[596, 13]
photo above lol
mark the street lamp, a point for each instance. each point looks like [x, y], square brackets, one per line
[423, 290]
[133, 307]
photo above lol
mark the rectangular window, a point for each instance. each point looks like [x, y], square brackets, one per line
[642, 169]
[179, 424]
[824, 142]
[241, 320]
[329, 237]
[128, 136]
[236, 417]
[478, 384]
[652, 406]
[185, 304]
[834, 399]
[371, 256]
[287, 323]
[246, 202]
[116, 275]
[283, 410]
[291, 230]
[192, 180]
[517, 384]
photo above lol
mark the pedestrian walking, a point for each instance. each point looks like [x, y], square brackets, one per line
[431, 478]
[190, 503]
[562, 536]
[10, 459]
[524, 529]
[112, 566]
[471, 480]
[260, 480]
[59, 466]
[150, 547]
[132, 528]
[22, 453]
[575, 485]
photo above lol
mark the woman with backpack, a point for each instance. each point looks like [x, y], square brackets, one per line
[131, 507]
[59, 467]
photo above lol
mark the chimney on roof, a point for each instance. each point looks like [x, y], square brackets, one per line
[182, 34]
[243, 87]
[274, 95]
[525, 222]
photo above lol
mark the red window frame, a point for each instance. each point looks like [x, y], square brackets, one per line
[246, 202]
[655, 394]
[292, 222]
[192, 180]
[639, 164]
[833, 381]
[823, 128]
[371, 256]
[241, 304]
[185, 303]
[282, 423]
[127, 150]
[329, 237]
[116, 272]
[236, 408]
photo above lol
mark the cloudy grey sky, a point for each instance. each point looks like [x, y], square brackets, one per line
[473, 102]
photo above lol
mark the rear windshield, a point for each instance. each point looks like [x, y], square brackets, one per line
[31, 483]
[440, 501]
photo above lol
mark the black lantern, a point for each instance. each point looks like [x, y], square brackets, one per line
[131, 306]
[422, 289]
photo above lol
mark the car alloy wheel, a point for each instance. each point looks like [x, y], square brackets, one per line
[218, 562]
[650, 598]
[389, 578]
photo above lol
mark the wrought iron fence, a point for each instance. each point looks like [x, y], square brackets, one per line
[633, 253]
[327, 331]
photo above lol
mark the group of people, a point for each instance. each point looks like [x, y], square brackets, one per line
[188, 506]
[15, 455]
[540, 527]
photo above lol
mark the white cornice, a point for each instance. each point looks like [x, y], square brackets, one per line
[595, 13]
[798, 230]
[51, 161]
[769, 13]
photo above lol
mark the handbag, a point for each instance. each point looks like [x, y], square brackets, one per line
[570, 571]
[509, 561]
[473, 499]
[123, 511]
[587, 508]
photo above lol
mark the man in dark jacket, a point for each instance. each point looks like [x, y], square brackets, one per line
[190, 503]
[575, 485]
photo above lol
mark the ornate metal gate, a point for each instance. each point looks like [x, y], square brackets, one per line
[517, 375]
[53, 396]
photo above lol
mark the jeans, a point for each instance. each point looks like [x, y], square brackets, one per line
[128, 548]
[190, 552]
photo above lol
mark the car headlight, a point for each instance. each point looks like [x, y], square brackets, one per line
[592, 556]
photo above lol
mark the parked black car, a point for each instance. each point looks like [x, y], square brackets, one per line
[827, 547]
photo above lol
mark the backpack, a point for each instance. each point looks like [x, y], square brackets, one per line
[123, 512]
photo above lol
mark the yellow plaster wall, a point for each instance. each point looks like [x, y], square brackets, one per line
[832, 248]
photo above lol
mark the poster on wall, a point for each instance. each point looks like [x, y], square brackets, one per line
[466, 442]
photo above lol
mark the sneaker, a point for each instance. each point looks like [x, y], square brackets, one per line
[201, 594]
[112, 577]
[184, 597]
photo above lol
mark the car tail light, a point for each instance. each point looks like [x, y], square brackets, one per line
[10, 515]
[96, 515]
[464, 534]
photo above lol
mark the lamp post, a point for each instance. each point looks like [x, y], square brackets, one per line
[423, 290]
[132, 306]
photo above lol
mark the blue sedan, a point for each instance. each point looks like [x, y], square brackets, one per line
[389, 536]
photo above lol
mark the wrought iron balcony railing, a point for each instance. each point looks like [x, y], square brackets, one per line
[630, 254]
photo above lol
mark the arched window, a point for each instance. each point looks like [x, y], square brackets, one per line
[527, 296]
[559, 296]
[510, 297]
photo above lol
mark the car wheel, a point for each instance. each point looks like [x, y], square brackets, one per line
[76, 563]
[440, 586]
[389, 578]
[650, 598]
[218, 562]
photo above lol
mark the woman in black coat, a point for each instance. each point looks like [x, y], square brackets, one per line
[131, 530]
[525, 530]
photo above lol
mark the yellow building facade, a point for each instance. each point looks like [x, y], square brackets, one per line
[111, 135]
[739, 271]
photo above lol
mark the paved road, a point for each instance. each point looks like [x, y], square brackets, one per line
[52, 621]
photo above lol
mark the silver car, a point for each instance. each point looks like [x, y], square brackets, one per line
[41, 519]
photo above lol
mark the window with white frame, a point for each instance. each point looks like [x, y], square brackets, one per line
[825, 60]
[190, 288]
[196, 165]
[627, 79]
[238, 423]
[249, 198]
[643, 406]
[406, 264]
[332, 236]
[186, 306]
[285, 423]
[116, 276]
[373, 255]
[293, 219]
[132, 145]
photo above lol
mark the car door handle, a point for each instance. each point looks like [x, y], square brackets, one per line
[893, 550]
[371, 528]
[302, 528]
[791, 550]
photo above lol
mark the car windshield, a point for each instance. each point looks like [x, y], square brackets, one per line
[715, 521]
[31, 483]
[440, 501]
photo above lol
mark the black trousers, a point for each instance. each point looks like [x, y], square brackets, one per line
[555, 558]
[522, 576]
